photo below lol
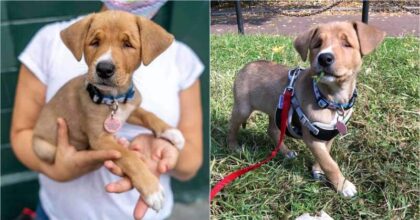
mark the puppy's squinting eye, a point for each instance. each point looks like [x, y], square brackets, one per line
[94, 43]
[346, 44]
[317, 44]
[127, 44]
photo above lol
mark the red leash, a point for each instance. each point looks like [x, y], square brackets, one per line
[229, 178]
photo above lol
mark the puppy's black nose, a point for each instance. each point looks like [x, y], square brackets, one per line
[326, 59]
[105, 69]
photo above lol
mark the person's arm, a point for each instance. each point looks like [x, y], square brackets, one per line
[29, 100]
[69, 163]
[191, 156]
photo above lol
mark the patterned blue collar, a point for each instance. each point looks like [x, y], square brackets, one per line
[98, 98]
[323, 102]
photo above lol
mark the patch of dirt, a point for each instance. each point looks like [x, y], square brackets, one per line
[282, 17]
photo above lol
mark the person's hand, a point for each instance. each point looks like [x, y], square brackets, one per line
[70, 163]
[160, 156]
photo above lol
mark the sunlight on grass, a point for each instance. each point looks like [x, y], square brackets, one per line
[380, 155]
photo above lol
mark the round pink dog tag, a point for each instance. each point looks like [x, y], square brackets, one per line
[112, 124]
[341, 127]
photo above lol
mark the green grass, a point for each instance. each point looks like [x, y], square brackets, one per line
[380, 155]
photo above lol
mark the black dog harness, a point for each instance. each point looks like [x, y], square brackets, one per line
[297, 117]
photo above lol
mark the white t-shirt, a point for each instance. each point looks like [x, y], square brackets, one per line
[159, 83]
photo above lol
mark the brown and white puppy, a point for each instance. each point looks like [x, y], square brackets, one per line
[113, 44]
[336, 49]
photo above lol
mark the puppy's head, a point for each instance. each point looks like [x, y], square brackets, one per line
[114, 44]
[336, 49]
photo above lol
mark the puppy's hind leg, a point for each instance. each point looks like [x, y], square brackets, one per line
[240, 113]
[44, 150]
[274, 132]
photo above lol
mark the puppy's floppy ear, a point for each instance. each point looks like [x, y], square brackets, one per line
[74, 36]
[303, 41]
[154, 39]
[369, 37]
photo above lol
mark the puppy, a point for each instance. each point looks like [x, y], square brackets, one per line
[335, 54]
[95, 105]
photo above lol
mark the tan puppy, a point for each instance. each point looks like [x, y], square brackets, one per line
[336, 50]
[113, 44]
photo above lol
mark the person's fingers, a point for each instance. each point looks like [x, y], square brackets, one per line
[123, 141]
[169, 160]
[62, 133]
[122, 185]
[113, 168]
[95, 157]
[136, 147]
[157, 152]
[163, 166]
[140, 209]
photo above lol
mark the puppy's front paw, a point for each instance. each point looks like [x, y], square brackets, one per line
[156, 199]
[175, 137]
[348, 189]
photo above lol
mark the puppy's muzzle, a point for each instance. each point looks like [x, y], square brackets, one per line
[105, 69]
[326, 60]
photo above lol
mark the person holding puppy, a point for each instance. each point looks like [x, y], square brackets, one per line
[74, 185]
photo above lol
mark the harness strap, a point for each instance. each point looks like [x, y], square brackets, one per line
[302, 117]
[319, 130]
[293, 131]
[229, 178]
[332, 125]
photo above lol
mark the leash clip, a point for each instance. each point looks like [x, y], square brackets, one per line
[292, 75]
[114, 107]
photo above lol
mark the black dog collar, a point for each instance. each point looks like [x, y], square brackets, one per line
[98, 98]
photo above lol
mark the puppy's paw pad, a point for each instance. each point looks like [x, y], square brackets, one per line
[175, 137]
[349, 189]
[155, 200]
[291, 155]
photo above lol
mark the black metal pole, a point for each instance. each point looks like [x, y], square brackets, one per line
[239, 18]
[365, 11]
